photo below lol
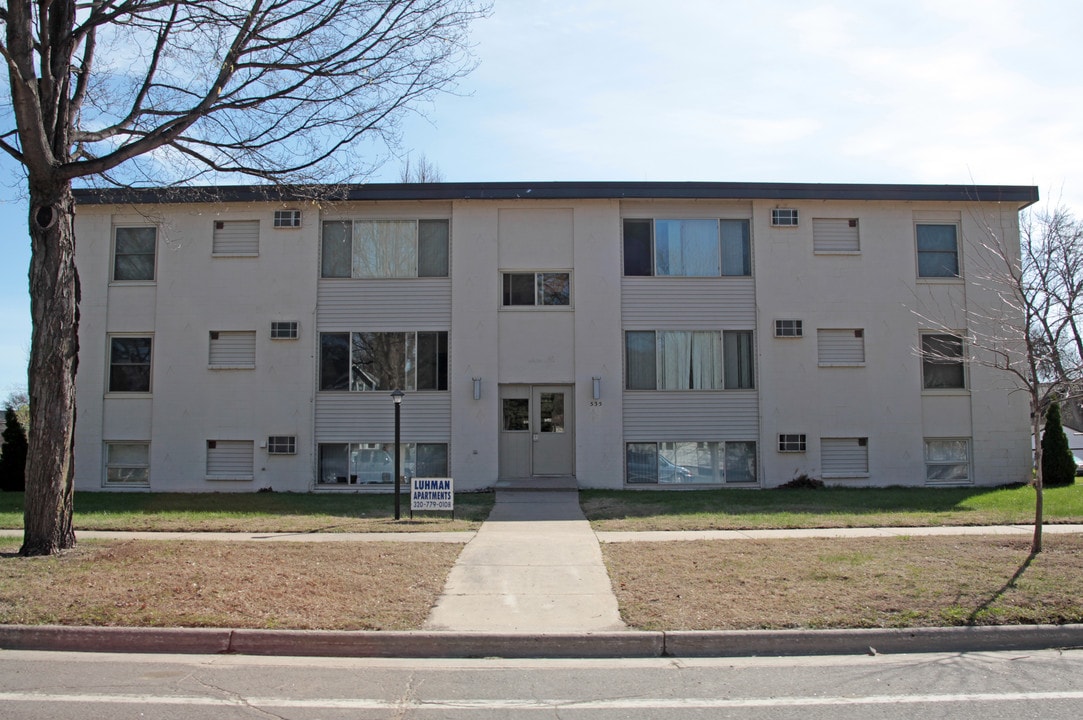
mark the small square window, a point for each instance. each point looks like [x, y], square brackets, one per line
[784, 217]
[287, 219]
[282, 445]
[789, 328]
[791, 443]
[127, 464]
[284, 330]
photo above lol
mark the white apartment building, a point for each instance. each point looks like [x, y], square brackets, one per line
[631, 335]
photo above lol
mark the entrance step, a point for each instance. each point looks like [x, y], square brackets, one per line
[562, 482]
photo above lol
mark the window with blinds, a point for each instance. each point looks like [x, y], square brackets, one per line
[232, 349]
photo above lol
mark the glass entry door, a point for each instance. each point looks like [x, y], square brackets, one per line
[537, 430]
[554, 430]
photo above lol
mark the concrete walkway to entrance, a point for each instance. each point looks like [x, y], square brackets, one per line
[534, 566]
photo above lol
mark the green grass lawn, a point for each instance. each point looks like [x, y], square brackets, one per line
[827, 507]
[255, 512]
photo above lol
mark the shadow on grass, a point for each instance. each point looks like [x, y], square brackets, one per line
[468, 506]
[608, 504]
[977, 613]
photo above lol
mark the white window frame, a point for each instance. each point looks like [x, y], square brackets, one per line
[958, 252]
[107, 465]
[284, 330]
[785, 217]
[539, 290]
[282, 445]
[153, 279]
[961, 362]
[931, 463]
[789, 328]
[287, 219]
[792, 442]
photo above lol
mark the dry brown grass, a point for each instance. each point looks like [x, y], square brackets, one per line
[343, 586]
[812, 583]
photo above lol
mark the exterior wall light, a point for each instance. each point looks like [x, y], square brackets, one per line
[477, 388]
[596, 388]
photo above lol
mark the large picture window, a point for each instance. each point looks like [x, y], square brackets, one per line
[374, 463]
[129, 364]
[134, 249]
[687, 248]
[705, 463]
[384, 248]
[688, 360]
[364, 361]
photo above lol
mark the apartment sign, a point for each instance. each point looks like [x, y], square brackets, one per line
[432, 494]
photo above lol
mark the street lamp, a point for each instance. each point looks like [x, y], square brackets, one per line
[397, 397]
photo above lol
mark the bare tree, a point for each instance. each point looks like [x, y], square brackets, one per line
[420, 171]
[138, 91]
[1023, 321]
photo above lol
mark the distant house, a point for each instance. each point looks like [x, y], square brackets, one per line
[639, 335]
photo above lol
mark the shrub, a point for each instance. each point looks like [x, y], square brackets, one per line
[802, 482]
[13, 453]
[1058, 465]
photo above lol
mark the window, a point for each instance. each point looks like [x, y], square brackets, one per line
[229, 459]
[687, 248]
[232, 349]
[127, 464]
[283, 330]
[235, 237]
[835, 235]
[947, 461]
[133, 254]
[840, 347]
[938, 251]
[789, 328]
[784, 217]
[287, 219]
[282, 445]
[791, 443]
[688, 360]
[942, 362]
[541, 288]
[384, 248]
[129, 364]
[690, 463]
[844, 457]
[374, 463]
[364, 361]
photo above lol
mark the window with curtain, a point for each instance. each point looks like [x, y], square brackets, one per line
[688, 360]
[687, 247]
[384, 248]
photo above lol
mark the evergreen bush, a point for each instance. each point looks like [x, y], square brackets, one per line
[13, 453]
[1058, 464]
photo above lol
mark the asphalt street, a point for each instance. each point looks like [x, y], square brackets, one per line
[1046, 684]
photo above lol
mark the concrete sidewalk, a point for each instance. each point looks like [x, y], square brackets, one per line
[534, 567]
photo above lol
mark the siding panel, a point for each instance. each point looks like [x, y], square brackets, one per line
[840, 347]
[649, 303]
[835, 235]
[844, 457]
[230, 459]
[236, 237]
[233, 349]
[687, 416]
[389, 305]
[370, 417]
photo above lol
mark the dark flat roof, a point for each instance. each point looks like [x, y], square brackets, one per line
[1021, 195]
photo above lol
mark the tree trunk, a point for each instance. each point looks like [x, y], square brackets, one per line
[1036, 415]
[54, 357]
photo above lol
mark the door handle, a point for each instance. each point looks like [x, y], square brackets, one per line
[535, 437]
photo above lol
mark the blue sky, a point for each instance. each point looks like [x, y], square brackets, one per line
[894, 91]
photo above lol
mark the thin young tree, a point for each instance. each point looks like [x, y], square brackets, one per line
[1021, 319]
[136, 92]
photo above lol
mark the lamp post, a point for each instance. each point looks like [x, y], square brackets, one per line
[397, 397]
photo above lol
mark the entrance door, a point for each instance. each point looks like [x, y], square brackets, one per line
[537, 433]
[554, 429]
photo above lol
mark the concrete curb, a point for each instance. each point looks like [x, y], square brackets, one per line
[632, 644]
